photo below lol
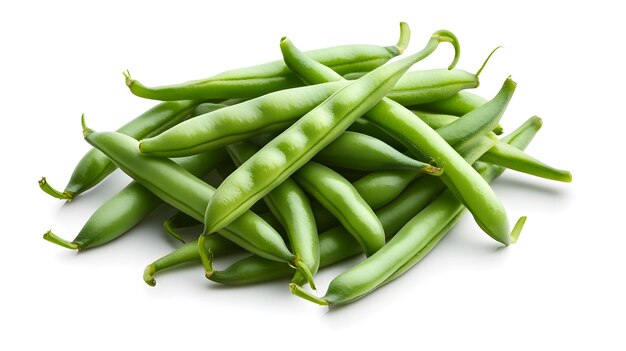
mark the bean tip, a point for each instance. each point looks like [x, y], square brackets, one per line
[48, 189]
[53, 238]
[148, 275]
[517, 229]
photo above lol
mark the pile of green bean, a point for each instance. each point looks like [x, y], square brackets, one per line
[348, 153]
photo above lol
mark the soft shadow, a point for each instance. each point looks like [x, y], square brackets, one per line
[530, 186]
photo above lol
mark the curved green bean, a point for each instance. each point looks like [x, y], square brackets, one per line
[129, 206]
[422, 140]
[298, 144]
[404, 250]
[176, 186]
[265, 78]
[365, 153]
[339, 197]
[95, 166]
[291, 207]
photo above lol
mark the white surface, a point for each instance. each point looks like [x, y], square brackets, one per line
[560, 287]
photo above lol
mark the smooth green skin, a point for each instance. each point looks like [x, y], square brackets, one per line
[133, 203]
[379, 188]
[291, 207]
[272, 76]
[404, 250]
[364, 126]
[461, 103]
[272, 112]
[339, 197]
[188, 253]
[95, 166]
[299, 143]
[337, 244]
[458, 175]
[365, 153]
[207, 107]
[458, 105]
[495, 108]
[442, 83]
[510, 157]
[174, 185]
[503, 154]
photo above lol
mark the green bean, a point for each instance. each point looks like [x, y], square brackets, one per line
[337, 244]
[291, 207]
[510, 157]
[495, 107]
[503, 154]
[311, 133]
[95, 166]
[269, 113]
[265, 78]
[338, 196]
[365, 153]
[459, 176]
[364, 126]
[208, 107]
[378, 188]
[129, 206]
[188, 253]
[182, 190]
[442, 83]
[459, 104]
[406, 248]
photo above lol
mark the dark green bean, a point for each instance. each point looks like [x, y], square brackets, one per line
[262, 79]
[95, 166]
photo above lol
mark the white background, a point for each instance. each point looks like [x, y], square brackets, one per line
[561, 286]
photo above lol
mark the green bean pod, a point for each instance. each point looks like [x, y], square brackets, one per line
[461, 103]
[297, 145]
[364, 126]
[176, 186]
[129, 206]
[439, 83]
[291, 207]
[337, 244]
[379, 188]
[503, 154]
[269, 113]
[95, 166]
[365, 153]
[262, 79]
[404, 250]
[422, 140]
[338, 196]
[188, 253]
